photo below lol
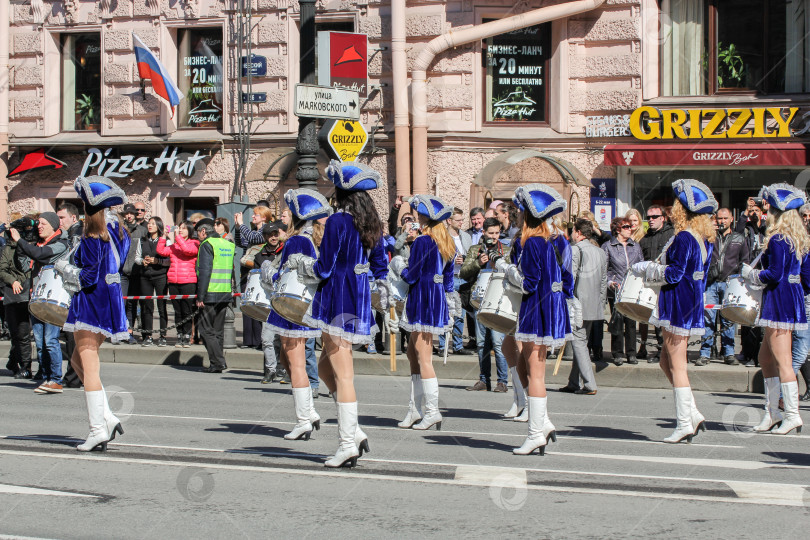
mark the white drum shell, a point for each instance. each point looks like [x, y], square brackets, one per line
[292, 298]
[256, 299]
[634, 300]
[741, 302]
[500, 305]
[50, 302]
[480, 288]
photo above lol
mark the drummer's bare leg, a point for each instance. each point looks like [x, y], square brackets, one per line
[294, 350]
[767, 360]
[535, 361]
[675, 346]
[325, 372]
[76, 362]
[411, 353]
[339, 352]
[423, 343]
[781, 343]
[533, 364]
[522, 369]
[510, 350]
[87, 345]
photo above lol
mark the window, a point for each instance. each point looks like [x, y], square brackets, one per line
[201, 78]
[718, 46]
[516, 66]
[81, 82]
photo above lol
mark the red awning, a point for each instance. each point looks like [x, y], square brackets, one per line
[710, 155]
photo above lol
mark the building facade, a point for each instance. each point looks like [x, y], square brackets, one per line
[609, 104]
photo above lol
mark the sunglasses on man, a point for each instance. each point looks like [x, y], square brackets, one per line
[651, 217]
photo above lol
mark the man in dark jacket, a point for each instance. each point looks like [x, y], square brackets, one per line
[15, 275]
[271, 344]
[52, 245]
[130, 273]
[69, 222]
[658, 234]
[751, 223]
[214, 293]
[730, 252]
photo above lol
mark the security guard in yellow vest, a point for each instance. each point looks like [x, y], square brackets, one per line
[214, 278]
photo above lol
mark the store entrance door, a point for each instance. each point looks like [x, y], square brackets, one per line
[185, 207]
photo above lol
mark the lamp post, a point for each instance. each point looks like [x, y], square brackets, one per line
[307, 145]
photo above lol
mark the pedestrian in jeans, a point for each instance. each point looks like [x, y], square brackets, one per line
[15, 274]
[729, 254]
[182, 251]
[622, 253]
[482, 256]
[153, 280]
[52, 245]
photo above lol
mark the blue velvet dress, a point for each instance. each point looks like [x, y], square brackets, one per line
[426, 307]
[99, 306]
[543, 317]
[300, 243]
[680, 302]
[783, 297]
[342, 304]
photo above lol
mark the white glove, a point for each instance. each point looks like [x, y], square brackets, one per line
[574, 312]
[751, 276]
[397, 265]
[655, 274]
[641, 267]
[454, 304]
[293, 260]
[69, 274]
[501, 265]
[267, 271]
[514, 277]
[384, 289]
[390, 324]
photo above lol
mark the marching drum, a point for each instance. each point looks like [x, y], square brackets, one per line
[741, 302]
[256, 299]
[480, 287]
[292, 298]
[634, 300]
[50, 301]
[400, 291]
[500, 305]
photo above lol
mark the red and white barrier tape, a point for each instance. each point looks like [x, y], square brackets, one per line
[168, 297]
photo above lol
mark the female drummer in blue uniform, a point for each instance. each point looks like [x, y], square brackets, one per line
[97, 308]
[682, 276]
[341, 307]
[306, 207]
[543, 275]
[782, 308]
[431, 299]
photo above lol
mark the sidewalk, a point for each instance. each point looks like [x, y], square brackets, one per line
[715, 377]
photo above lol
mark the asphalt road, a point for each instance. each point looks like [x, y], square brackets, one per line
[203, 456]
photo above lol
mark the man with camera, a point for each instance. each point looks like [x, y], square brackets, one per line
[15, 274]
[751, 224]
[484, 255]
[52, 245]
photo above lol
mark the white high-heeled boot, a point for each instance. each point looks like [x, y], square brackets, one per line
[360, 437]
[698, 421]
[536, 439]
[790, 396]
[549, 431]
[519, 396]
[415, 405]
[113, 423]
[98, 437]
[314, 417]
[772, 413]
[303, 429]
[683, 414]
[432, 415]
[347, 452]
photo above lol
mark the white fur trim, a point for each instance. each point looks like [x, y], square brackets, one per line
[78, 325]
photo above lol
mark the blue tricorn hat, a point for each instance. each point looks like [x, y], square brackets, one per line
[99, 192]
[539, 200]
[307, 204]
[351, 176]
[695, 196]
[783, 196]
[431, 206]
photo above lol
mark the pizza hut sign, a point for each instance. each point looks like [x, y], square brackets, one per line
[177, 164]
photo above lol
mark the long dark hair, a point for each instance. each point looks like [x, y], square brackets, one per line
[158, 225]
[366, 219]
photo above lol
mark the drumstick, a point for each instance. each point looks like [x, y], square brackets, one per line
[447, 338]
[559, 360]
[392, 342]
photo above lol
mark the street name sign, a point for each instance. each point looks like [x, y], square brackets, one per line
[326, 102]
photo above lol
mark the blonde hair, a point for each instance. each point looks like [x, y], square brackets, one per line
[532, 227]
[438, 231]
[789, 225]
[683, 219]
[639, 233]
[265, 213]
[317, 234]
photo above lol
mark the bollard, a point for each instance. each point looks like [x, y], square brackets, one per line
[229, 332]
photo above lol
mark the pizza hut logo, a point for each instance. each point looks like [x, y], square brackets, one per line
[628, 156]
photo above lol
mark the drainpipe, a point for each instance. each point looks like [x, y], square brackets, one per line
[399, 62]
[454, 39]
[4, 82]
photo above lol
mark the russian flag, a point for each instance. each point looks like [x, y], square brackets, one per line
[149, 67]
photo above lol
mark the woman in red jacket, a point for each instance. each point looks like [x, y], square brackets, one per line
[182, 275]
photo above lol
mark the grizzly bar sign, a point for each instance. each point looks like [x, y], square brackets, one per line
[649, 123]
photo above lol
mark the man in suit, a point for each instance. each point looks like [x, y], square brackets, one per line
[463, 243]
[589, 265]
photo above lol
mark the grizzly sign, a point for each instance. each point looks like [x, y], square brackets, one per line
[343, 139]
[648, 123]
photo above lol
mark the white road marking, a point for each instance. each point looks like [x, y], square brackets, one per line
[784, 494]
[479, 475]
[21, 490]
[356, 474]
